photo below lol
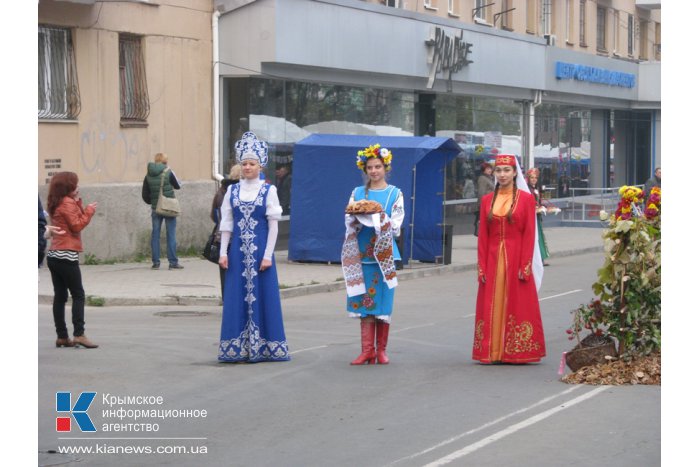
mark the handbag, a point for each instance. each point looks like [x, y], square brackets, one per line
[166, 207]
[213, 246]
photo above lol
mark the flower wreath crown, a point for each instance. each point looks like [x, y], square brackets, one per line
[374, 151]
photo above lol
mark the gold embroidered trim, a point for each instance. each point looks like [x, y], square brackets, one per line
[519, 337]
[478, 334]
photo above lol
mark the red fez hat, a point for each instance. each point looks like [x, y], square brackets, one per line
[505, 159]
[533, 171]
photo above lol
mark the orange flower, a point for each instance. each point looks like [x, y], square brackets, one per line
[355, 305]
[372, 291]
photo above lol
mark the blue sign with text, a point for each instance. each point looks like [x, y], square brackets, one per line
[594, 75]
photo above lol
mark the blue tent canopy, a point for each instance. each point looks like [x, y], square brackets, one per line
[325, 174]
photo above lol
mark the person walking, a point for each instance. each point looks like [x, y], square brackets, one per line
[508, 324]
[533, 176]
[252, 329]
[484, 185]
[158, 172]
[369, 253]
[233, 177]
[65, 208]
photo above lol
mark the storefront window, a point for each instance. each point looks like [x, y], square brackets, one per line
[483, 127]
[562, 148]
[284, 112]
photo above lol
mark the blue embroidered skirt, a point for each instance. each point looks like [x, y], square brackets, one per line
[377, 301]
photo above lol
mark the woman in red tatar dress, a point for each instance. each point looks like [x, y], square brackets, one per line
[508, 327]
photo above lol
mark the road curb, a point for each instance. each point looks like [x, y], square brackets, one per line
[302, 290]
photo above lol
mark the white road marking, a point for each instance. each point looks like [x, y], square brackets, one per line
[414, 327]
[486, 425]
[310, 348]
[561, 294]
[514, 428]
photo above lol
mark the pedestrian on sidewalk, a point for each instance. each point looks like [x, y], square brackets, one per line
[233, 177]
[369, 254]
[484, 185]
[67, 214]
[158, 172]
[252, 329]
[533, 176]
[508, 325]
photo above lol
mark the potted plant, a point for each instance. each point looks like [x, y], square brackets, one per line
[627, 307]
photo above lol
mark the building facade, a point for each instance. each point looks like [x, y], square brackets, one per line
[118, 83]
[572, 86]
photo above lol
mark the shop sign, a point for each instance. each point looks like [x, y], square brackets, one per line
[593, 74]
[446, 54]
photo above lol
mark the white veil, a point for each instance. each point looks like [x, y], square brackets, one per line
[537, 266]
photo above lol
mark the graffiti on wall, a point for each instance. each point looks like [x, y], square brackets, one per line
[111, 152]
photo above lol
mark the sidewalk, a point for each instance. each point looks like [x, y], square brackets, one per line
[135, 284]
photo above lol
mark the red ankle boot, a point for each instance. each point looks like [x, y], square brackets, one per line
[382, 337]
[368, 354]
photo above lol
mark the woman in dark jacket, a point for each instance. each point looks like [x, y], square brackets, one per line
[233, 177]
[150, 192]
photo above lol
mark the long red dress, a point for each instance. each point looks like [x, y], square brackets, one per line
[508, 325]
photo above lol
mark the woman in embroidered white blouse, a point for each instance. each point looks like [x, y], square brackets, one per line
[252, 329]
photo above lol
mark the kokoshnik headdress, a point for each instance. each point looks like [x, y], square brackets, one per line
[250, 147]
[374, 151]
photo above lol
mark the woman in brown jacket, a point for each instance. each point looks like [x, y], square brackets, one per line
[67, 213]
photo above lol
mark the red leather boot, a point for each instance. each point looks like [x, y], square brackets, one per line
[382, 337]
[368, 354]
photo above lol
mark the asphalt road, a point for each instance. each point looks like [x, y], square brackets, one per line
[431, 405]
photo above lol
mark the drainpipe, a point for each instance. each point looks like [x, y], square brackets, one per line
[215, 97]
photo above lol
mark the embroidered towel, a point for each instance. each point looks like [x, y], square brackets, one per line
[351, 258]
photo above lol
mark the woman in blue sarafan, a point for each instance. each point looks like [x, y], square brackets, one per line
[251, 327]
[375, 305]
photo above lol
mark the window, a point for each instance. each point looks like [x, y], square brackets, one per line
[630, 35]
[600, 29]
[394, 3]
[505, 15]
[657, 41]
[58, 93]
[546, 16]
[531, 16]
[582, 23]
[428, 4]
[569, 21]
[480, 7]
[644, 40]
[133, 92]
[453, 7]
[616, 31]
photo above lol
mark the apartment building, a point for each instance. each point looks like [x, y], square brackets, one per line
[119, 82]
